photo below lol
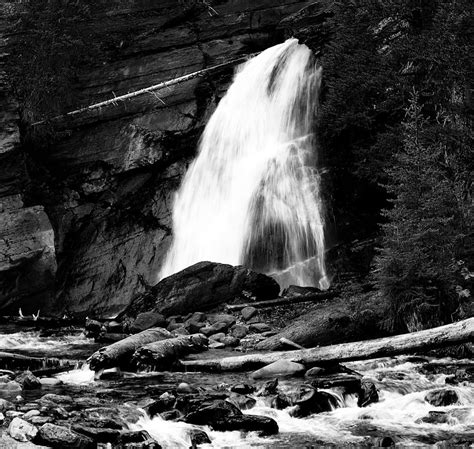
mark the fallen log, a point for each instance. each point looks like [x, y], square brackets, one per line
[119, 354]
[313, 297]
[455, 333]
[161, 355]
[14, 362]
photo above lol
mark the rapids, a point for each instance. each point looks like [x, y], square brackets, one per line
[252, 196]
[401, 381]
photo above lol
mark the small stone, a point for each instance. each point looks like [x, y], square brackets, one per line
[314, 372]
[13, 414]
[218, 337]
[28, 381]
[199, 437]
[222, 318]
[214, 329]
[216, 345]
[183, 387]
[248, 312]
[230, 341]
[181, 331]
[21, 430]
[259, 328]
[442, 397]
[147, 320]
[40, 420]
[55, 399]
[239, 330]
[280, 368]
[30, 414]
[171, 415]
[173, 326]
[194, 326]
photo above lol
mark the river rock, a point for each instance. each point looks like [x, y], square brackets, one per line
[28, 415]
[49, 381]
[269, 388]
[230, 341]
[442, 397]
[10, 386]
[280, 368]
[259, 328]
[184, 388]
[21, 430]
[248, 423]
[198, 437]
[55, 399]
[216, 345]
[239, 331]
[242, 388]
[180, 331]
[6, 405]
[349, 382]
[146, 320]
[28, 381]
[368, 393]
[311, 401]
[280, 401]
[243, 402]
[201, 287]
[210, 413]
[248, 312]
[221, 318]
[61, 437]
[99, 435]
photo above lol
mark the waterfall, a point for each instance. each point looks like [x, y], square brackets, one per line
[252, 195]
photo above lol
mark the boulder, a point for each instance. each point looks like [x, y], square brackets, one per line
[59, 437]
[351, 383]
[442, 397]
[22, 430]
[137, 439]
[221, 318]
[311, 401]
[146, 320]
[201, 287]
[98, 434]
[248, 312]
[210, 413]
[264, 425]
[280, 368]
[28, 381]
[198, 437]
[215, 328]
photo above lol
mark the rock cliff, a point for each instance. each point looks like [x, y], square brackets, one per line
[91, 212]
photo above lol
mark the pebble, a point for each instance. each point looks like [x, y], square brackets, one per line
[183, 387]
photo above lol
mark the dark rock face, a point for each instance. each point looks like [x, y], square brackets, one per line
[442, 397]
[203, 286]
[107, 181]
[368, 393]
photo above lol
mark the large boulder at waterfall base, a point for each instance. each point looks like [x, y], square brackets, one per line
[201, 287]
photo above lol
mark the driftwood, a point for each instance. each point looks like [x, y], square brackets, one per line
[120, 353]
[460, 332]
[312, 297]
[13, 361]
[161, 355]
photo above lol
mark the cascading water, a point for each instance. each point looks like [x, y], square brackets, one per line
[252, 196]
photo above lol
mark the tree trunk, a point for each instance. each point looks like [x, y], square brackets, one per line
[313, 297]
[161, 355]
[455, 333]
[119, 354]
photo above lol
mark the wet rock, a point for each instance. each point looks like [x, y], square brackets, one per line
[239, 331]
[99, 435]
[52, 398]
[2, 418]
[164, 403]
[28, 381]
[28, 406]
[311, 401]
[140, 439]
[40, 420]
[198, 437]
[93, 326]
[269, 388]
[349, 382]
[248, 312]
[461, 375]
[13, 414]
[442, 397]
[243, 402]
[280, 401]
[434, 417]
[368, 393]
[216, 345]
[171, 415]
[280, 368]
[248, 423]
[242, 389]
[210, 413]
[61, 437]
[259, 328]
[21, 430]
[193, 325]
[173, 326]
[385, 442]
[221, 318]
[28, 415]
[180, 331]
[146, 320]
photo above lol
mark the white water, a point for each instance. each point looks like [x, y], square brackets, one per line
[252, 195]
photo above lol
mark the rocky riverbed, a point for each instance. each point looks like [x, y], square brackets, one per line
[404, 401]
